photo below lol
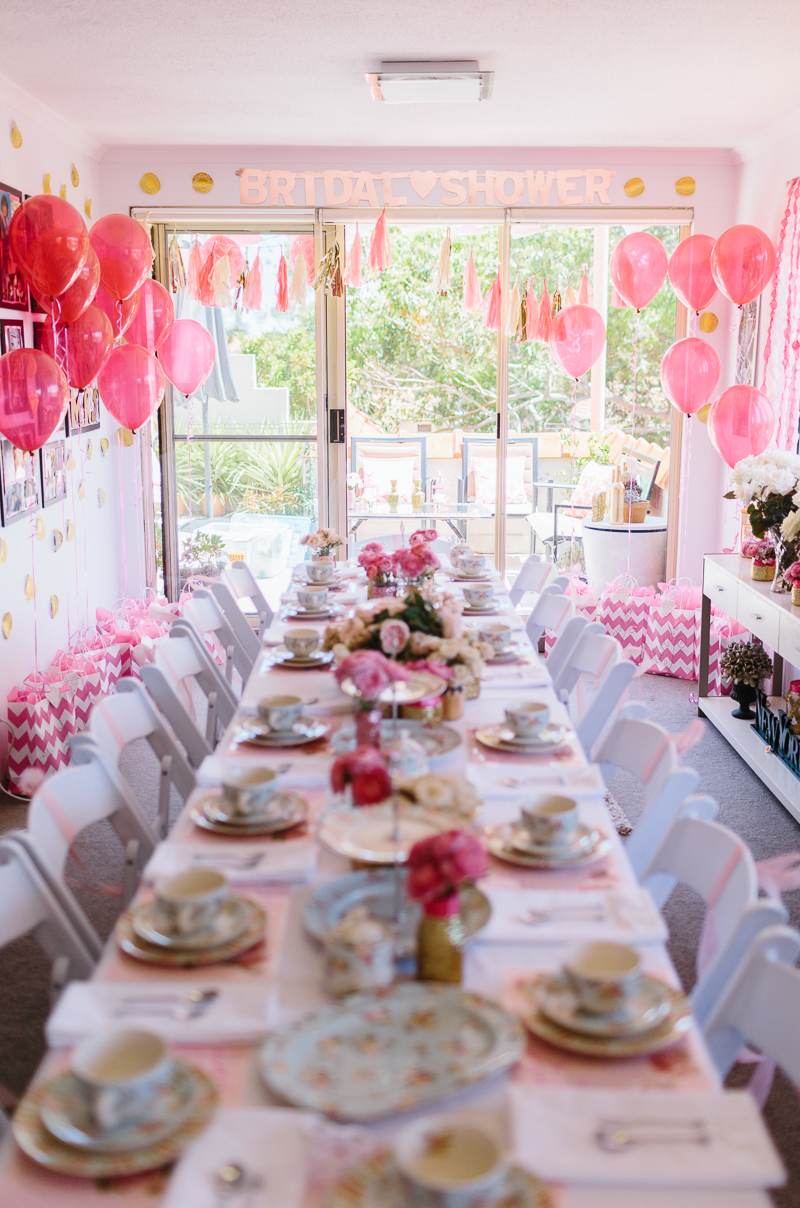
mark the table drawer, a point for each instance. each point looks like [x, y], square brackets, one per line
[761, 617]
[789, 640]
[721, 589]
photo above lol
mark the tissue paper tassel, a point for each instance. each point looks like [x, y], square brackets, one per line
[512, 312]
[569, 296]
[544, 316]
[532, 313]
[193, 275]
[353, 273]
[584, 291]
[493, 306]
[282, 287]
[473, 299]
[616, 299]
[329, 273]
[251, 299]
[521, 334]
[221, 282]
[380, 251]
[177, 277]
[441, 275]
[297, 293]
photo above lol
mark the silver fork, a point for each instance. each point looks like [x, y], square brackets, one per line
[180, 1007]
[617, 1136]
[590, 913]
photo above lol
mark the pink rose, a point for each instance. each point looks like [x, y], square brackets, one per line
[422, 535]
[394, 635]
[439, 865]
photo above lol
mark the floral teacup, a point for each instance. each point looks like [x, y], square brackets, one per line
[479, 596]
[472, 565]
[301, 642]
[313, 599]
[320, 572]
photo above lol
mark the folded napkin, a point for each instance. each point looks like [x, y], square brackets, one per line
[489, 782]
[623, 916]
[554, 1137]
[508, 677]
[237, 1015]
[282, 862]
[308, 771]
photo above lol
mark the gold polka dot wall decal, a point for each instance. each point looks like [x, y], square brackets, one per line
[53, 606]
[30, 587]
[70, 531]
[149, 183]
[70, 462]
[58, 540]
[709, 322]
[124, 437]
[89, 450]
[46, 183]
[62, 192]
[81, 491]
[202, 182]
[3, 552]
[104, 445]
[101, 497]
[702, 414]
[74, 177]
[87, 207]
[685, 186]
[634, 187]
[41, 531]
[16, 137]
[8, 621]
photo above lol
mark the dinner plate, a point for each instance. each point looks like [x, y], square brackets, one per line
[580, 841]
[376, 1054]
[296, 812]
[152, 954]
[469, 611]
[434, 740]
[302, 732]
[66, 1111]
[226, 926]
[365, 832]
[36, 1140]
[643, 1011]
[672, 1029]
[383, 895]
[406, 692]
[287, 659]
[499, 840]
[500, 737]
[378, 1181]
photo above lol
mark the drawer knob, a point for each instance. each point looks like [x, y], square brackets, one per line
[757, 616]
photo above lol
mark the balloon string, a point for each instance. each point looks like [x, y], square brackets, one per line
[635, 367]
[138, 492]
[64, 527]
[83, 525]
[122, 518]
[687, 465]
[32, 525]
[74, 518]
[786, 409]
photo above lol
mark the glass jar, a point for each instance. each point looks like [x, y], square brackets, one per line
[440, 943]
[369, 716]
[417, 498]
[793, 706]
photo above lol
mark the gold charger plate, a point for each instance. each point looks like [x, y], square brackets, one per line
[297, 813]
[499, 842]
[672, 1030]
[418, 686]
[378, 1181]
[363, 833]
[491, 737]
[35, 1140]
[182, 958]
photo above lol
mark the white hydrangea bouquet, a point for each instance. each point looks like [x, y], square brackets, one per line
[768, 486]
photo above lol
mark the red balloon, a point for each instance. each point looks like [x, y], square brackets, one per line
[125, 254]
[638, 268]
[73, 302]
[690, 271]
[187, 355]
[34, 395]
[89, 341]
[742, 263]
[740, 423]
[577, 336]
[120, 314]
[690, 371]
[131, 385]
[48, 241]
[151, 324]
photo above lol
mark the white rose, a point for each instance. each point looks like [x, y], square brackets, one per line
[790, 528]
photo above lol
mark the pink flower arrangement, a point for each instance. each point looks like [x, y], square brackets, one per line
[371, 672]
[434, 666]
[365, 771]
[422, 535]
[378, 564]
[438, 866]
[415, 561]
[792, 574]
[765, 554]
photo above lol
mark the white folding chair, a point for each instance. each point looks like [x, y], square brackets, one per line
[598, 655]
[550, 612]
[646, 751]
[118, 720]
[718, 866]
[244, 586]
[245, 634]
[761, 1005]
[533, 576]
[205, 616]
[566, 641]
[184, 658]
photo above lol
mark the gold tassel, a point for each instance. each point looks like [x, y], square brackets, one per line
[329, 273]
[441, 275]
[556, 304]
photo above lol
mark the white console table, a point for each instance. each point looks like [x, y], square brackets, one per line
[770, 617]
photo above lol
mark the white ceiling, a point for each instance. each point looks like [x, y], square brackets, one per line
[291, 72]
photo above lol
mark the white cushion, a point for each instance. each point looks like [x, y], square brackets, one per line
[485, 470]
[378, 473]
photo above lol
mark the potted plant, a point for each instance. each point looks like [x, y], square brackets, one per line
[748, 665]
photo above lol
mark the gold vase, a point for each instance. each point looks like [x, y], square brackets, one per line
[393, 498]
[473, 688]
[417, 498]
[452, 704]
[430, 714]
[795, 597]
[762, 572]
[440, 940]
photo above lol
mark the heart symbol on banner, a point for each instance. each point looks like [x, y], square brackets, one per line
[423, 182]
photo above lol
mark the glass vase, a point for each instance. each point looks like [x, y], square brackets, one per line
[368, 724]
[785, 555]
[440, 943]
[378, 591]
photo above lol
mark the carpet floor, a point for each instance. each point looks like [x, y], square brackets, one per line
[746, 806]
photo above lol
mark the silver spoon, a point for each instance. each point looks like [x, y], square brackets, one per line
[617, 1136]
[232, 1180]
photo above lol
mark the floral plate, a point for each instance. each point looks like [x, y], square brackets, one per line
[378, 1181]
[133, 945]
[500, 841]
[406, 692]
[365, 832]
[299, 613]
[501, 737]
[302, 732]
[643, 1011]
[206, 814]
[435, 740]
[378, 892]
[285, 658]
[227, 925]
[376, 1054]
[35, 1140]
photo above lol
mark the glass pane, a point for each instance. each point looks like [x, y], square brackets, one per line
[421, 377]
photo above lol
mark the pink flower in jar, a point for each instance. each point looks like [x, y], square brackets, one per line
[422, 535]
[439, 865]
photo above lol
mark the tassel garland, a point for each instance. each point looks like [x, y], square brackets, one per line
[616, 300]
[282, 287]
[221, 282]
[512, 312]
[441, 275]
[473, 299]
[193, 275]
[569, 296]
[329, 273]
[532, 316]
[521, 334]
[177, 277]
[353, 273]
[380, 251]
[251, 298]
[583, 292]
[556, 303]
[493, 306]
[544, 316]
[297, 294]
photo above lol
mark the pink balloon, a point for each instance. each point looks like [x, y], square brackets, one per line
[120, 314]
[742, 262]
[690, 371]
[638, 268]
[740, 423]
[33, 397]
[154, 317]
[690, 272]
[73, 302]
[187, 355]
[125, 254]
[89, 341]
[131, 385]
[577, 335]
[48, 241]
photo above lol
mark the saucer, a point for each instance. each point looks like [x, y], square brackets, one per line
[501, 737]
[67, 1113]
[203, 814]
[38, 1142]
[311, 614]
[511, 654]
[484, 578]
[471, 610]
[155, 954]
[579, 841]
[288, 659]
[378, 1180]
[642, 1013]
[273, 813]
[227, 925]
[672, 1028]
[302, 732]
[499, 840]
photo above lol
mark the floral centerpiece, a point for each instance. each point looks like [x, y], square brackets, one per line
[762, 555]
[378, 564]
[767, 486]
[438, 868]
[748, 665]
[371, 673]
[364, 772]
[441, 794]
[322, 543]
[416, 562]
[792, 577]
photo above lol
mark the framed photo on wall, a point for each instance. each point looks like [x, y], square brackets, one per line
[20, 483]
[84, 410]
[12, 335]
[13, 290]
[37, 334]
[54, 472]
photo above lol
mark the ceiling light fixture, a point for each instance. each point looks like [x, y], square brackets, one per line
[429, 83]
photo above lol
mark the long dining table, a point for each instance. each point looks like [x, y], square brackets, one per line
[283, 976]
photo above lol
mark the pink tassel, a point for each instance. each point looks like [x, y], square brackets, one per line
[532, 316]
[282, 289]
[205, 281]
[252, 288]
[616, 300]
[493, 306]
[544, 317]
[353, 275]
[473, 299]
[307, 244]
[583, 292]
[193, 274]
[380, 251]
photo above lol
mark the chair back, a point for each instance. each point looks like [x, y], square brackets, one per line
[130, 714]
[598, 655]
[180, 658]
[246, 635]
[243, 585]
[520, 482]
[559, 656]
[533, 575]
[385, 457]
[550, 612]
[205, 616]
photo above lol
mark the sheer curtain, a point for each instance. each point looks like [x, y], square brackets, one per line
[781, 381]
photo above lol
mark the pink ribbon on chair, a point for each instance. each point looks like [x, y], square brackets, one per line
[580, 693]
[68, 833]
[683, 742]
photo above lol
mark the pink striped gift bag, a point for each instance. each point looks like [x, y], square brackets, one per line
[672, 645]
[624, 612]
[41, 717]
[724, 630]
[584, 601]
